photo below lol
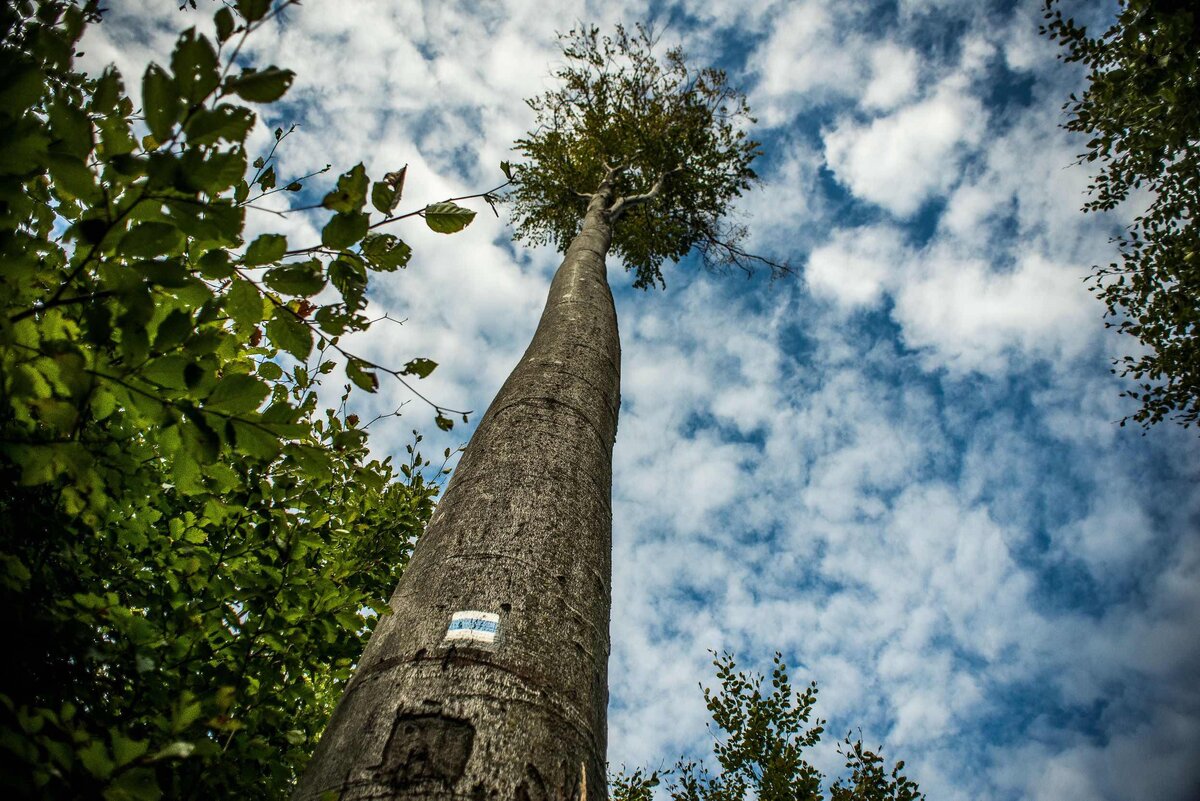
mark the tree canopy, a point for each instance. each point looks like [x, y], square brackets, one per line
[1141, 109]
[673, 137]
[192, 549]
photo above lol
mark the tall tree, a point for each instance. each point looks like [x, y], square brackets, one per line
[489, 680]
[1141, 109]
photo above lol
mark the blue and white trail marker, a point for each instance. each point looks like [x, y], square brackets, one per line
[476, 626]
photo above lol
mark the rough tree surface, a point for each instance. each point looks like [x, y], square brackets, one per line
[524, 531]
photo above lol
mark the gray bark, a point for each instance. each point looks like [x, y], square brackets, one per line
[524, 532]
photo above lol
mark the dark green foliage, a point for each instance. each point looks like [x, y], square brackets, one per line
[869, 779]
[192, 551]
[659, 122]
[759, 741]
[1142, 112]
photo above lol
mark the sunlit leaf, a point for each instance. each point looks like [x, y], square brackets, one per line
[160, 101]
[447, 217]
[265, 249]
[421, 368]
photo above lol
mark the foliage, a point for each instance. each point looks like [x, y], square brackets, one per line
[1142, 110]
[760, 743]
[672, 135]
[192, 552]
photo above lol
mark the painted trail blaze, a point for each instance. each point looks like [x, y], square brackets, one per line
[471, 625]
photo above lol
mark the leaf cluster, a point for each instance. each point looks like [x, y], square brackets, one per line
[759, 741]
[659, 122]
[192, 550]
[1141, 110]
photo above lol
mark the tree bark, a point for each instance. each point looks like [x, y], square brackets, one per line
[523, 534]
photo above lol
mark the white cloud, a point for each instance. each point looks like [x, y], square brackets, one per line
[961, 311]
[856, 266]
[806, 57]
[901, 160]
[969, 314]
[893, 77]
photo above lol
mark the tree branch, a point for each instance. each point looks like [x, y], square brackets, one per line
[721, 253]
[491, 193]
[629, 202]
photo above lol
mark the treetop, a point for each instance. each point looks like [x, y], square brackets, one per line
[669, 137]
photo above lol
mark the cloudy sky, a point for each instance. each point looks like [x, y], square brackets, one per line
[900, 468]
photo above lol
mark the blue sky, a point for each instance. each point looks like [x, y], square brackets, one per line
[900, 467]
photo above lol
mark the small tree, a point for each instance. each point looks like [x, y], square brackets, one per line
[490, 678]
[760, 741]
[192, 550]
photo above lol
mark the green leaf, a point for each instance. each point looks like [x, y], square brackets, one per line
[126, 750]
[443, 422]
[421, 368]
[224, 23]
[173, 330]
[302, 279]
[261, 86]
[217, 224]
[253, 440]
[506, 168]
[73, 179]
[225, 122]
[350, 195]
[103, 403]
[237, 394]
[115, 136]
[356, 371]
[210, 171]
[22, 86]
[23, 146]
[104, 99]
[253, 10]
[344, 230]
[194, 63]
[385, 252]
[383, 197]
[447, 217]
[167, 371]
[215, 264]
[160, 102]
[71, 128]
[270, 371]
[349, 275]
[94, 757]
[149, 239]
[265, 249]
[170, 273]
[138, 784]
[244, 304]
[290, 334]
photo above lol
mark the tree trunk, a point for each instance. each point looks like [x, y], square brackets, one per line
[508, 703]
